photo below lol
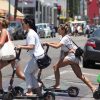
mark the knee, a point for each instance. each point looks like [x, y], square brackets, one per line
[56, 68]
[80, 76]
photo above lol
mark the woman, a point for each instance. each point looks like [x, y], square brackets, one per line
[3, 39]
[67, 57]
[33, 46]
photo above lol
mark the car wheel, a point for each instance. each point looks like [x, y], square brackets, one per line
[88, 63]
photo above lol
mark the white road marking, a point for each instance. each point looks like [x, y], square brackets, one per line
[63, 72]
[51, 77]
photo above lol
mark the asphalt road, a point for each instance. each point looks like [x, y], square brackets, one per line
[68, 78]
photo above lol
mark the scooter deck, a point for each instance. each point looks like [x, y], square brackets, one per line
[56, 90]
[27, 97]
[34, 96]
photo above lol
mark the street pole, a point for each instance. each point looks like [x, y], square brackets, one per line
[83, 10]
[9, 11]
[22, 6]
[15, 11]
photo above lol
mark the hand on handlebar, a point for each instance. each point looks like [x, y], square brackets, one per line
[18, 46]
[45, 44]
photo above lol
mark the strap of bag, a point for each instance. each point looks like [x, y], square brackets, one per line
[47, 49]
[73, 42]
[8, 36]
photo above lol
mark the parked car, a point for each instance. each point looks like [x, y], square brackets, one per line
[45, 27]
[40, 32]
[92, 50]
[15, 28]
[92, 29]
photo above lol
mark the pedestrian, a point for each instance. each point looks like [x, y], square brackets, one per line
[3, 63]
[87, 29]
[67, 57]
[35, 50]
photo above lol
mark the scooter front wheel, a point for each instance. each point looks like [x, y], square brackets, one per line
[73, 91]
[96, 94]
[49, 96]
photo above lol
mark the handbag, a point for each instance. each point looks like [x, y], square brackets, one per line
[45, 61]
[7, 51]
[79, 51]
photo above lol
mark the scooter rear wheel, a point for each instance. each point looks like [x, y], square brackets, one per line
[49, 96]
[7, 96]
[73, 91]
[96, 94]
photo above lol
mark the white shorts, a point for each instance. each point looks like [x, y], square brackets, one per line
[71, 57]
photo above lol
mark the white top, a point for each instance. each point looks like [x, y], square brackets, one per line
[67, 43]
[33, 38]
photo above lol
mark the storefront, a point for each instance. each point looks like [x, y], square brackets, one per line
[4, 10]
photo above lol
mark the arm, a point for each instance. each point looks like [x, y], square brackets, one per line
[3, 37]
[55, 45]
[28, 47]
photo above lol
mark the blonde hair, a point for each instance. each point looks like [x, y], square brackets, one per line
[5, 23]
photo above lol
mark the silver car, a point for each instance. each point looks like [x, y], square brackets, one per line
[45, 28]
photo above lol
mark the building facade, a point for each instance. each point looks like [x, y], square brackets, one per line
[43, 10]
[93, 11]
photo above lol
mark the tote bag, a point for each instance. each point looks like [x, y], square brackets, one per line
[7, 51]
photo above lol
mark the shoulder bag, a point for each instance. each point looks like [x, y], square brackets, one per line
[7, 51]
[45, 61]
[79, 51]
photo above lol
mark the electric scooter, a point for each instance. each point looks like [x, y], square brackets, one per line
[72, 91]
[17, 92]
[96, 94]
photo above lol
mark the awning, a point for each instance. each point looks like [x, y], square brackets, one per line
[4, 9]
[62, 17]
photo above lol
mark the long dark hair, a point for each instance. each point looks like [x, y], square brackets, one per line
[30, 20]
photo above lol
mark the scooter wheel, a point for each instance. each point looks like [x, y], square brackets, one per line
[73, 91]
[49, 96]
[96, 94]
[18, 91]
[7, 96]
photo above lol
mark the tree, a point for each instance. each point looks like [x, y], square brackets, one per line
[74, 6]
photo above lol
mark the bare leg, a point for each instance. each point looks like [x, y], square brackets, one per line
[78, 72]
[19, 72]
[57, 78]
[57, 72]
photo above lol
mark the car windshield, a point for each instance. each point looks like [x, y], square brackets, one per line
[12, 24]
[96, 33]
[41, 26]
